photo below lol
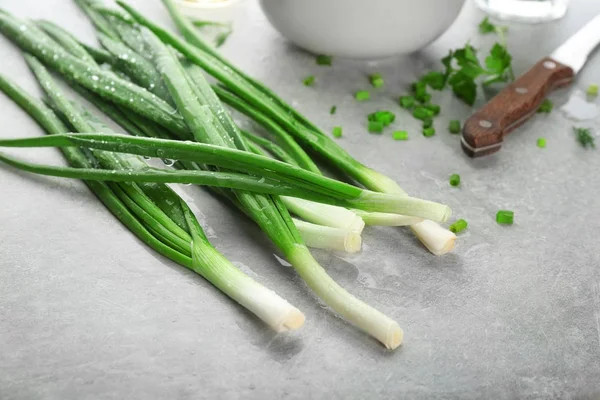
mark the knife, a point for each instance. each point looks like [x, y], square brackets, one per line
[484, 131]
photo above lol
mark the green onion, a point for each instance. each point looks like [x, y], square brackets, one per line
[427, 123]
[407, 102]
[505, 217]
[428, 132]
[458, 226]
[454, 180]
[422, 113]
[324, 60]
[376, 80]
[332, 110]
[337, 132]
[309, 80]
[592, 90]
[362, 95]
[400, 135]
[375, 126]
[541, 143]
[454, 126]
[546, 106]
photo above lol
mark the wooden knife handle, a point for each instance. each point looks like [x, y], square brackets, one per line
[484, 130]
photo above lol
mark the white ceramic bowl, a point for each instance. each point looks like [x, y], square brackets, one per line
[361, 28]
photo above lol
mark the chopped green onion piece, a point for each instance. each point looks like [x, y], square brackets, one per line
[385, 117]
[309, 80]
[541, 143]
[362, 95]
[546, 106]
[323, 59]
[333, 110]
[400, 135]
[428, 123]
[505, 217]
[422, 113]
[428, 132]
[592, 90]
[454, 126]
[454, 180]
[337, 132]
[375, 126]
[407, 102]
[458, 226]
[433, 108]
[585, 137]
[376, 80]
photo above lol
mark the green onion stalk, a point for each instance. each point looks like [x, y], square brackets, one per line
[195, 98]
[157, 216]
[437, 239]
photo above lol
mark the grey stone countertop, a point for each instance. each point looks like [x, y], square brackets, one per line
[89, 312]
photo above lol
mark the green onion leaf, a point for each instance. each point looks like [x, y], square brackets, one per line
[337, 132]
[332, 110]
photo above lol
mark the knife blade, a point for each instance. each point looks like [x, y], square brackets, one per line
[484, 131]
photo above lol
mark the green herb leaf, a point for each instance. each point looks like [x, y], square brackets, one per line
[332, 110]
[486, 26]
[309, 80]
[322, 59]
[585, 137]
[464, 87]
[498, 64]
[436, 80]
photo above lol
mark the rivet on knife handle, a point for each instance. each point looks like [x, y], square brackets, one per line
[483, 132]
